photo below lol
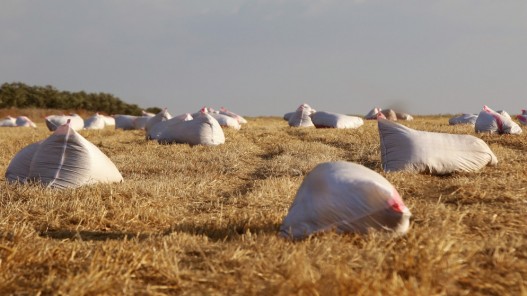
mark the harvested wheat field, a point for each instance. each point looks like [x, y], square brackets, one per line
[204, 220]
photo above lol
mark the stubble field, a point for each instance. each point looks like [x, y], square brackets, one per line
[204, 220]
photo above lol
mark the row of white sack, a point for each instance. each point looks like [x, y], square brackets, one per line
[491, 121]
[305, 116]
[339, 196]
[132, 122]
[22, 121]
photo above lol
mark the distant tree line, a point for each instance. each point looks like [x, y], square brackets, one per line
[20, 95]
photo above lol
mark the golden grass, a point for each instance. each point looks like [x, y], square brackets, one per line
[204, 220]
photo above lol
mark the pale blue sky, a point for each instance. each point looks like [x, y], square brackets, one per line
[267, 57]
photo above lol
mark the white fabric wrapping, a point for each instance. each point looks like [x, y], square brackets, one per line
[372, 114]
[464, 118]
[140, 122]
[202, 130]
[288, 115]
[334, 120]
[109, 120]
[125, 122]
[404, 116]
[226, 121]
[25, 122]
[8, 122]
[345, 197]
[490, 121]
[389, 114]
[163, 115]
[406, 149]
[522, 118]
[301, 117]
[239, 118]
[54, 121]
[154, 132]
[95, 122]
[63, 160]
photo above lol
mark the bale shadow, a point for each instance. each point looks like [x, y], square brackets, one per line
[87, 235]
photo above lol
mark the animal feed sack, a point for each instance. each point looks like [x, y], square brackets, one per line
[54, 121]
[301, 117]
[95, 122]
[154, 132]
[202, 130]
[406, 149]
[464, 118]
[334, 120]
[63, 160]
[347, 198]
[490, 121]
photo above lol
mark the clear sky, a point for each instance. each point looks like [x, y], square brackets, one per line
[267, 57]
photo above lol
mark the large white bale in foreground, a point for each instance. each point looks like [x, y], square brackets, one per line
[334, 120]
[63, 160]
[345, 197]
[202, 130]
[464, 118]
[301, 117]
[95, 122]
[54, 121]
[406, 149]
[490, 121]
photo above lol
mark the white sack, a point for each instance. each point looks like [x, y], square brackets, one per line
[109, 120]
[406, 149]
[301, 117]
[372, 114]
[463, 119]
[334, 120]
[490, 121]
[63, 160]
[95, 122]
[345, 197]
[288, 115]
[8, 122]
[154, 132]
[389, 114]
[239, 118]
[25, 122]
[226, 121]
[54, 121]
[522, 118]
[125, 122]
[202, 130]
[163, 115]
[140, 122]
[404, 116]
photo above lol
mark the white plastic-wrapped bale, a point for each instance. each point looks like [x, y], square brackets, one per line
[24, 121]
[347, 198]
[490, 121]
[323, 119]
[202, 130]
[8, 122]
[163, 115]
[288, 115]
[389, 114]
[54, 121]
[226, 121]
[464, 118]
[372, 115]
[403, 116]
[522, 118]
[140, 122]
[109, 120]
[406, 149]
[125, 122]
[94, 122]
[63, 160]
[301, 117]
[154, 132]
[239, 118]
